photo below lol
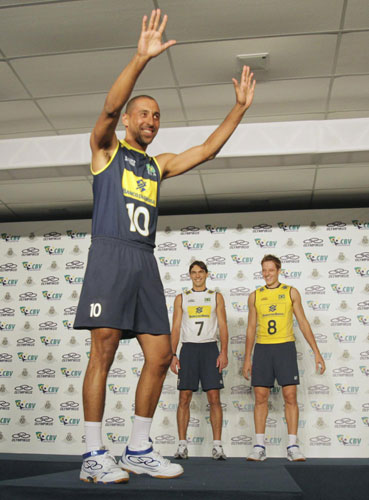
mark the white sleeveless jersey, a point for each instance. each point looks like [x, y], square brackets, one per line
[199, 318]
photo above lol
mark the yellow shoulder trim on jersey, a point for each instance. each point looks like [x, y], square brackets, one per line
[187, 292]
[157, 164]
[211, 291]
[128, 146]
[109, 162]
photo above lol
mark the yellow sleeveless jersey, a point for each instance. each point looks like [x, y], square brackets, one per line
[274, 315]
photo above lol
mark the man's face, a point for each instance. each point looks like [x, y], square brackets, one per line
[270, 273]
[142, 122]
[198, 277]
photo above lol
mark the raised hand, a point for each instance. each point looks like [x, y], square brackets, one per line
[245, 88]
[150, 43]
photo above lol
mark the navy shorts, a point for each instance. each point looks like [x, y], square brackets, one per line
[275, 361]
[122, 289]
[198, 364]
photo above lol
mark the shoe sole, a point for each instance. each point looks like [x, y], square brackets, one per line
[95, 481]
[158, 476]
[297, 459]
[256, 459]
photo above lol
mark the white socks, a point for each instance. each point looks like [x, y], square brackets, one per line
[93, 436]
[260, 439]
[140, 432]
[292, 439]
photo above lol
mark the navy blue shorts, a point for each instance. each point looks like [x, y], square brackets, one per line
[122, 289]
[198, 364]
[274, 361]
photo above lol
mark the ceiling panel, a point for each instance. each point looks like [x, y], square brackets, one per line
[343, 177]
[70, 26]
[215, 19]
[357, 14]
[289, 57]
[45, 191]
[21, 116]
[10, 87]
[62, 209]
[352, 58]
[85, 72]
[182, 185]
[350, 93]
[234, 182]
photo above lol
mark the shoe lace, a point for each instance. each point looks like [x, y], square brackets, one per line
[109, 461]
[164, 461]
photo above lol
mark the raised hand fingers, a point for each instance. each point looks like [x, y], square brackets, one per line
[152, 20]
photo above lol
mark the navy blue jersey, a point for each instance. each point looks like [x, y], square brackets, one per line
[126, 196]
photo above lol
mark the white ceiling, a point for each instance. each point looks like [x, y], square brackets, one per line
[59, 58]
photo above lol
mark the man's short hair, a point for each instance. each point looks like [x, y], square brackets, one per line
[199, 263]
[132, 101]
[272, 258]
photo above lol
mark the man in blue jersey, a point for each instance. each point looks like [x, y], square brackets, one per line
[122, 295]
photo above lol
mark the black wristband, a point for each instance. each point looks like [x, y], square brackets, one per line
[175, 355]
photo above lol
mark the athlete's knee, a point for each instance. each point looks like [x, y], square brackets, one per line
[185, 399]
[261, 398]
[290, 399]
[214, 399]
[103, 348]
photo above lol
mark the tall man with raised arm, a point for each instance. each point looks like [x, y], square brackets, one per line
[271, 309]
[122, 295]
[197, 315]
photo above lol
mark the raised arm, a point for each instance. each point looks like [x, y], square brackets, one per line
[250, 336]
[176, 330]
[222, 360]
[103, 140]
[305, 327]
[178, 164]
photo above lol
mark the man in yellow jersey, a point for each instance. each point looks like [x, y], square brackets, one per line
[122, 294]
[271, 310]
[197, 315]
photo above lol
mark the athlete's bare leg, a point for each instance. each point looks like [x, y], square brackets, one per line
[216, 413]
[261, 408]
[291, 408]
[183, 413]
[158, 355]
[104, 343]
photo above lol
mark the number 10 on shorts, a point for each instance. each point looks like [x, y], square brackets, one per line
[95, 310]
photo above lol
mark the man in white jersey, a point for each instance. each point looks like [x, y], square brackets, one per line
[197, 315]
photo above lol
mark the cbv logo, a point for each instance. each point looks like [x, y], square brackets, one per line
[169, 262]
[48, 341]
[52, 295]
[288, 227]
[69, 421]
[6, 373]
[345, 338]
[196, 440]
[274, 441]
[347, 389]
[24, 405]
[240, 307]
[342, 289]
[340, 242]
[364, 320]
[8, 281]
[316, 306]
[192, 245]
[50, 250]
[75, 235]
[73, 280]
[215, 229]
[5, 420]
[6, 327]
[243, 406]
[71, 373]
[10, 237]
[118, 389]
[322, 407]
[27, 358]
[362, 271]
[242, 260]
[45, 438]
[359, 224]
[265, 243]
[48, 389]
[116, 438]
[68, 324]
[29, 266]
[312, 257]
[163, 405]
[348, 441]
[218, 276]
[286, 273]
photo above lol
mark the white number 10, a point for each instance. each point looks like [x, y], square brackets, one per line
[134, 215]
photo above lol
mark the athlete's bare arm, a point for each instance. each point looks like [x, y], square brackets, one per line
[103, 140]
[305, 327]
[222, 360]
[250, 336]
[176, 331]
[178, 164]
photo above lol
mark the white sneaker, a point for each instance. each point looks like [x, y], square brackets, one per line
[294, 454]
[150, 462]
[182, 452]
[258, 454]
[218, 453]
[100, 467]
